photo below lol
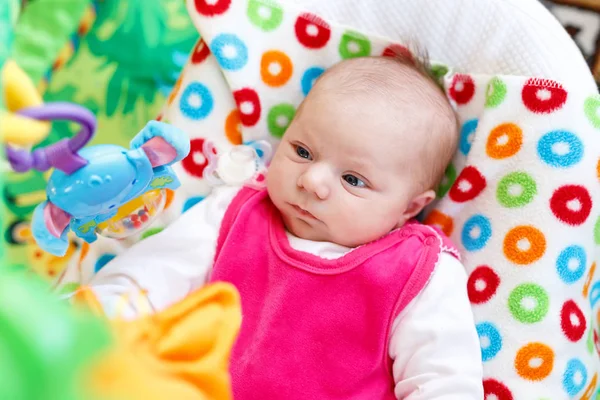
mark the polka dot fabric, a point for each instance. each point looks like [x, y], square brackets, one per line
[520, 198]
[521, 201]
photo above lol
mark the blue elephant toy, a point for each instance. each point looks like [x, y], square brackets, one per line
[111, 190]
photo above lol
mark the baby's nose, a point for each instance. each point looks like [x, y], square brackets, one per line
[314, 181]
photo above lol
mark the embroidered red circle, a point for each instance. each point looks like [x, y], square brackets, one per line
[397, 50]
[469, 184]
[482, 284]
[210, 9]
[571, 204]
[543, 96]
[201, 52]
[196, 161]
[312, 31]
[596, 342]
[572, 321]
[462, 89]
[249, 105]
[492, 387]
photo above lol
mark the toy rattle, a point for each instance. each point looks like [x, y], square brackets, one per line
[103, 189]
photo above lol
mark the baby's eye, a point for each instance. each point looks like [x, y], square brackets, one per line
[353, 181]
[303, 153]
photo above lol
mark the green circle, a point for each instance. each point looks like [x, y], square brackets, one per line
[447, 181]
[68, 288]
[590, 342]
[521, 179]
[439, 71]
[495, 93]
[592, 107]
[267, 24]
[150, 232]
[597, 232]
[354, 38]
[281, 110]
[525, 315]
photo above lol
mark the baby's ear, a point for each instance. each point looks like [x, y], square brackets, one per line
[417, 204]
[164, 144]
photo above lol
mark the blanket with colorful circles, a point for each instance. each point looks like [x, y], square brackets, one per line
[520, 198]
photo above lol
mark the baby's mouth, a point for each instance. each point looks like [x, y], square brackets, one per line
[303, 212]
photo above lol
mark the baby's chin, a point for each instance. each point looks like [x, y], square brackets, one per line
[319, 232]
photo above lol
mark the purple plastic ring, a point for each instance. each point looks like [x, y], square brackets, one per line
[63, 154]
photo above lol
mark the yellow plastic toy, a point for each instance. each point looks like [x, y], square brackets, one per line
[19, 93]
[179, 353]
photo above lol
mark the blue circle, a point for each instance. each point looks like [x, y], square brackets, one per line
[102, 261]
[478, 243]
[241, 51]
[547, 154]
[467, 130]
[562, 264]
[206, 101]
[309, 77]
[191, 202]
[571, 387]
[489, 330]
[595, 294]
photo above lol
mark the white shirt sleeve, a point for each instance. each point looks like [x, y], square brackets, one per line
[434, 343]
[164, 268]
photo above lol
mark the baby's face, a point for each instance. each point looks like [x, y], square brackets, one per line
[340, 174]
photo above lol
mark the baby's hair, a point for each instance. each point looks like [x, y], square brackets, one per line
[417, 57]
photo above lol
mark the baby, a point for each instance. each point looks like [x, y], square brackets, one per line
[344, 295]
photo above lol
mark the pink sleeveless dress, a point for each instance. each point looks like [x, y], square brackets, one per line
[315, 328]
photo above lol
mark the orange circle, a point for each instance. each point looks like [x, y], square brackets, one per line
[498, 150]
[530, 352]
[175, 90]
[233, 126]
[537, 245]
[283, 75]
[169, 194]
[443, 221]
[85, 248]
[598, 169]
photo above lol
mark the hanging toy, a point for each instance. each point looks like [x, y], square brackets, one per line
[103, 189]
[242, 165]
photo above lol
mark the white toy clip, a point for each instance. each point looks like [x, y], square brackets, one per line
[242, 165]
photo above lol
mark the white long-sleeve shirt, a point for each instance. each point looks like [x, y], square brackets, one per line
[433, 343]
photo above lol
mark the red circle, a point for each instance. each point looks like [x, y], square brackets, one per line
[466, 93]
[596, 342]
[210, 10]
[491, 279]
[190, 164]
[559, 204]
[572, 332]
[201, 52]
[558, 96]
[472, 177]
[322, 35]
[494, 387]
[159, 117]
[397, 50]
[250, 96]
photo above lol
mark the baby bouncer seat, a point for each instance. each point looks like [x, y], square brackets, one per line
[520, 198]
